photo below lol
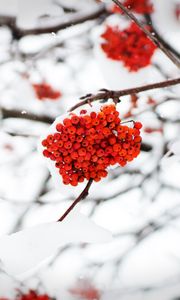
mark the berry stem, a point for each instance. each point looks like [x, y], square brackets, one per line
[109, 94]
[82, 196]
[129, 121]
[153, 38]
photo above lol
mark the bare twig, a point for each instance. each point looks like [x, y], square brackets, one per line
[65, 22]
[82, 196]
[160, 38]
[14, 113]
[153, 38]
[109, 94]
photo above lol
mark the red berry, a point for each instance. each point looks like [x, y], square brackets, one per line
[137, 125]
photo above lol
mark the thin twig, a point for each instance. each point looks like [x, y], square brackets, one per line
[82, 196]
[153, 38]
[109, 94]
[160, 38]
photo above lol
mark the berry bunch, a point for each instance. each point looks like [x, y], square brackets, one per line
[137, 6]
[152, 130]
[86, 293]
[131, 46]
[177, 11]
[84, 146]
[32, 295]
[45, 91]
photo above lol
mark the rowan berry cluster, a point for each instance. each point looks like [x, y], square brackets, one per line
[177, 11]
[45, 91]
[86, 293]
[152, 130]
[137, 6]
[84, 146]
[131, 46]
[32, 295]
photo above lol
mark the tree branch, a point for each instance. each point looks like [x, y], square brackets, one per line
[14, 113]
[160, 38]
[82, 196]
[153, 38]
[105, 94]
[66, 21]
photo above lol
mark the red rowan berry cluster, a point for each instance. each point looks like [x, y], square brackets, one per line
[137, 6]
[152, 130]
[86, 293]
[177, 11]
[84, 146]
[45, 91]
[131, 46]
[151, 101]
[32, 295]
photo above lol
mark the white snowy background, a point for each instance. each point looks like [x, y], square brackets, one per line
[139, 204]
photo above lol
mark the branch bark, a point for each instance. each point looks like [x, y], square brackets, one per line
[14, 113]
[65, 22]
[160, 38]
[105, 94]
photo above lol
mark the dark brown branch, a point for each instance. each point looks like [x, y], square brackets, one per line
[66, 21]
[82, 196]
[7, 20]
[160, 38]
[146, 147]
[153, 38]
[115, 95]
[13, 113]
